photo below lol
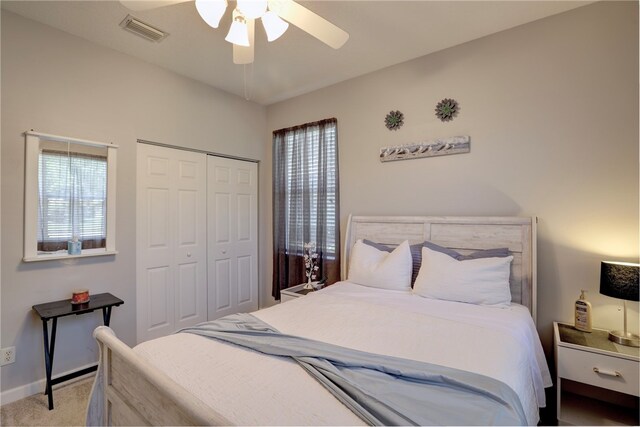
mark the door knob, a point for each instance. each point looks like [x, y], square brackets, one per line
[188, 254]
[224, 251]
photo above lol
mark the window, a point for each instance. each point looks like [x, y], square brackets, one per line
[306, 200]
[72, 200]
[303, 184]
[69, 193]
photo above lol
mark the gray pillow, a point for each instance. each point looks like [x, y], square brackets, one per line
[416, 253]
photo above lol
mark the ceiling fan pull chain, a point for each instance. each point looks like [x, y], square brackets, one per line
[248, 93]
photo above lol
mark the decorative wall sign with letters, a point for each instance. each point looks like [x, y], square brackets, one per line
[430, 148]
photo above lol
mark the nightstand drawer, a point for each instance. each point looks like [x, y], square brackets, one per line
[284, 297]
[578, 365]
[296, 291]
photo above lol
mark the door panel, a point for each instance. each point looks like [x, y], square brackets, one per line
[188, 291]
[157, 286]
[158, 215]
[244, 217]
[221, 174]
[187, 217]
[171, 231]
[222, 291]
[222, 220]
[188, 170]
[244, 176]
[244, 279]
[157, 166]
[232, 236]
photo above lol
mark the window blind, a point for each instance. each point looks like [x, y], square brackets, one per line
[305, 201]
[303, 183]
[72, 199]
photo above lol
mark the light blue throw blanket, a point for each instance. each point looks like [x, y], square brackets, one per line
[382, 390]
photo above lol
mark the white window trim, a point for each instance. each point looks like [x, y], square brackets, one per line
[32, 140]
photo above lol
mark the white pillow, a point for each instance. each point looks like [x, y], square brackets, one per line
[380, 269]
[483, 281]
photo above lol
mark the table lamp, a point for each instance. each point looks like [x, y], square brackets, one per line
[620, 280]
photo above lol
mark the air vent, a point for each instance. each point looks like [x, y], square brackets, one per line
[142, 29]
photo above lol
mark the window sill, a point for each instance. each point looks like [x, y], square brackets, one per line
[62, 255]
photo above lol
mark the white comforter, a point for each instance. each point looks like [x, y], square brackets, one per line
[249, 388]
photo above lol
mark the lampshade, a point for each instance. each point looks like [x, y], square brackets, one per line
[619, 280]
[273, 25]
[252, 9]
[211, 11]
[238, 33]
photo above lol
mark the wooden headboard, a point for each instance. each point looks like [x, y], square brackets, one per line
[465, 235]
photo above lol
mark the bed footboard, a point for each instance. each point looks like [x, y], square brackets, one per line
[128, 391]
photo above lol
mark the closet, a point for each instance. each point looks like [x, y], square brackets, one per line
[197, 228]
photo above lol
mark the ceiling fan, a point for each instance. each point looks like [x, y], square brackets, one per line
[274, 14]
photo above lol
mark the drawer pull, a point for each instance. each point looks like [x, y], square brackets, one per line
[607, 372]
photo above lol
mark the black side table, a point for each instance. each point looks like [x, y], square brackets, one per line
[53, 310]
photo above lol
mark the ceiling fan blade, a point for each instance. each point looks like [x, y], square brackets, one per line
[244, 55]
[310, 22]
[140, 5]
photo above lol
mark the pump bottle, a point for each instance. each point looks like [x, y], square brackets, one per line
[583, 314]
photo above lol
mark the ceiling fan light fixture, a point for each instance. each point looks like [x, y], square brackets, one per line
[273, 25]
[277, 6]
[238, 33]
[211, 11]
[252, 9]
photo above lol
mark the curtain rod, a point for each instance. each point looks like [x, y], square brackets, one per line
[58, 138]
[305, 125]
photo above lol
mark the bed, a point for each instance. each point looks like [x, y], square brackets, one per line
[186, 379]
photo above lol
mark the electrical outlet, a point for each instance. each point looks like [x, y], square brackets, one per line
[7, 356]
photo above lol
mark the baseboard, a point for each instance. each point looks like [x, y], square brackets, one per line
[36, 387]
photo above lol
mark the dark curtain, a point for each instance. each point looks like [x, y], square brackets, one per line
[305, 202]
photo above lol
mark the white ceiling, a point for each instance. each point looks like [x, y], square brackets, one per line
[382, 33]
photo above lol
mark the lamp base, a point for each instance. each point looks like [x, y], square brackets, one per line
[628, 339]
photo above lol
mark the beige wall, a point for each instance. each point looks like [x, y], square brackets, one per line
[60, 84]
[552, 111]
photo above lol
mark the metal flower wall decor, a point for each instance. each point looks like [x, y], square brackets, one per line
[394, 120]
[447, 109]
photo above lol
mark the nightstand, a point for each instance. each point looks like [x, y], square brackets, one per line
[295, 292]
[597, 380]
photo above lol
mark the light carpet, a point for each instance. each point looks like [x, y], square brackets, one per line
[69, 407]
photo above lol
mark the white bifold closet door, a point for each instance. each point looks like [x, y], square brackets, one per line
[171, 240]
[232, 220]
